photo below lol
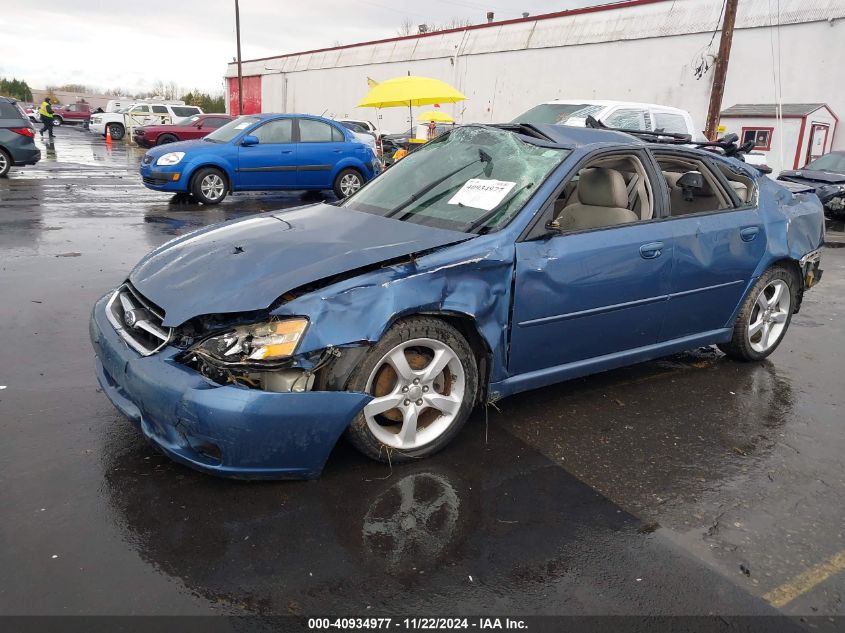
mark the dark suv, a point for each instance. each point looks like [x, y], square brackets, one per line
[17, 137]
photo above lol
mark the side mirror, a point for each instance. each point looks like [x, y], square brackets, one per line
[249, 140]
[553, 226]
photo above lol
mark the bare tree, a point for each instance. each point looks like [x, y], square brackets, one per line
[406, 27]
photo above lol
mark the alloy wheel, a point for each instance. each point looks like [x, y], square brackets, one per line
[418, 389]
[4, 164]
[212, 187]
[769, 316]
[349, 184]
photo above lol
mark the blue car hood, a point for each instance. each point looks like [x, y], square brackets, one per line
[247, 264]
[181, 146]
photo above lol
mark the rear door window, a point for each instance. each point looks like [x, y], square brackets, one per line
[629, 119]
[670, 122]
[311, 131]
[160, 109]
[185, 111]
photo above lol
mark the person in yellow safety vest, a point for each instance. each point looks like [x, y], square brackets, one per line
[46, 113]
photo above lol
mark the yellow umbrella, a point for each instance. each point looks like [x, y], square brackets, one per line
[436, 116]
[410, 91]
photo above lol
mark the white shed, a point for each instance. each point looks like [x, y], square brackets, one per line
[805, 131]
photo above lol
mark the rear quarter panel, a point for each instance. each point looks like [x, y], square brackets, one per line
[794, 223]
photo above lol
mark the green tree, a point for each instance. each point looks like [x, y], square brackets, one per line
[15, 88]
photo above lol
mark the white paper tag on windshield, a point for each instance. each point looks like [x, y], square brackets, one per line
[241, 126]
[482, 194]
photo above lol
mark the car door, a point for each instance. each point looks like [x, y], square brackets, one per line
[270, 164]
[592, 293]
[320, 147]
[719, 241]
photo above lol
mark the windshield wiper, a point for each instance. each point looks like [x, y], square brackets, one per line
[481, 221]
[483, 157]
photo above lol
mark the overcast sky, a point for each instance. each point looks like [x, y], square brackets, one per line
[133, 44]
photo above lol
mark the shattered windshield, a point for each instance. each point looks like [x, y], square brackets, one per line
[474, 180]
[834, 162]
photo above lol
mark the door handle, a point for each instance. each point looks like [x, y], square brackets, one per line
[287, 151]
[749, 233]
[652, 250]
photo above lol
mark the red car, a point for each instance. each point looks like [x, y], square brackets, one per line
[73, 113]
[187, 129]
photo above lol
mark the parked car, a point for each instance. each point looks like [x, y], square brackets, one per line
[140, 114]
[263, 152]
[367, 125]
[490, 261]
[187, 129]
[614, 114]
[17, 137]
[361, 133]
[73, 113]
[824, 176]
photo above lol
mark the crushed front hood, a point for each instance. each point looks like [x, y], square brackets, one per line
[247, 264]
[812, 177]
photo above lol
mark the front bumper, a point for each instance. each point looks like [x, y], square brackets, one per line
[228, 430]
[97, 128]
[141, 140]
[160, 179]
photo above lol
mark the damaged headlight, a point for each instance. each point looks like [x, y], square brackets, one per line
[170, 158]
[271, 341]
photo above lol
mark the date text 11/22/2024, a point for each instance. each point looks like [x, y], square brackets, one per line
[416, 624]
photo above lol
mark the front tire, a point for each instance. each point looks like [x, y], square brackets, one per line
[209, 186]
[764, 317]
[117, 131]
[57, 121]
[348, 181]
[5, 163]
[424, 380]
[164, 139]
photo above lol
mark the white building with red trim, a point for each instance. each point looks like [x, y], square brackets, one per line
[635, 50]
[800, 133]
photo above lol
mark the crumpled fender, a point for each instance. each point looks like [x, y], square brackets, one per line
[471, 279]
[794, 223]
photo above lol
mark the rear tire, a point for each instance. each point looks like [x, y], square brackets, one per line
[764, 317]
[209, 185]
[5, 163]
[348, 181]
[117, 131]
[433, 391]
[164, 139]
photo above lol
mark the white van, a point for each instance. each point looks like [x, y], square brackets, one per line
[618, 114]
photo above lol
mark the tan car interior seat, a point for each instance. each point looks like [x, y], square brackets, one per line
[602, 201]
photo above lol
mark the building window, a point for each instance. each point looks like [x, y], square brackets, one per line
[762, 137]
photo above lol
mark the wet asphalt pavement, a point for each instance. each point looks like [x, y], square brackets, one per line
[688, 485]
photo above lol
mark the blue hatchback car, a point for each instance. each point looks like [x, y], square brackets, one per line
[263, 152]
[493, 260]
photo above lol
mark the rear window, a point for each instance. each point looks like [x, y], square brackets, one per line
[185, 111]
[670, 123]
[10, 111]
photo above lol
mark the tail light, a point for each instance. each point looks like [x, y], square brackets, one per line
[23, 131]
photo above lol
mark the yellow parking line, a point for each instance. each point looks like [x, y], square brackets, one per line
[802, 583]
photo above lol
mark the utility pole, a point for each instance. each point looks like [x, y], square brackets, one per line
[240, 74]
[721, 70]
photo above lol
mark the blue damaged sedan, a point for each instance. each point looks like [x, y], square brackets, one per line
[263, 152]
[493, 260]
